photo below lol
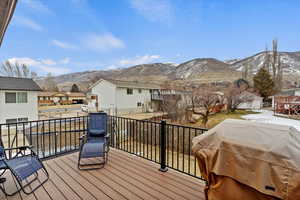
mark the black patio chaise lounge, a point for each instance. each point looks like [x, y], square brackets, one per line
[95, 144]
[24, 166]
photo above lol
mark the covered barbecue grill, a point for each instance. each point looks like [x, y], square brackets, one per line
[248, 160]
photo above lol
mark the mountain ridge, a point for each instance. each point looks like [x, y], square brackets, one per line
[197, 70]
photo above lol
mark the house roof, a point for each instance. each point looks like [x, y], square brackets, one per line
[13, 83]
[76, 94]
[129, 84]
[7, 8]
[289, 92]
[251, 94]
[48, 94]
[69, 94]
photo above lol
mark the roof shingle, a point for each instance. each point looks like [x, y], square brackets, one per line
[13, 83]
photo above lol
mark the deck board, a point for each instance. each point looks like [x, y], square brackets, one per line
[124, 177]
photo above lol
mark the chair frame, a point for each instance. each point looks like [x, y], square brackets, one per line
[23, 187]
[85, 139]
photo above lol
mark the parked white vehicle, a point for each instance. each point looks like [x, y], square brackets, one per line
[84, 108]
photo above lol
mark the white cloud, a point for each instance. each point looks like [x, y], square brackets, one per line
[63, 45]
[154, 10]
[139, 60]
[48, 62]
[111, 67]
[65, 61]
[25, 60]
[27, 22]
[104, 42]
[37, 5]
[42, 66]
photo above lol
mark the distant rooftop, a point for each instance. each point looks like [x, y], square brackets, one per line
[288, 92]
[69, 94]
[12, 83]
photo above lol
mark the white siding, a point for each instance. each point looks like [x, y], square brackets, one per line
[129, 101]
[19, 110]
[106, 94]
[111, 97]
[297, 92]
[255, 104]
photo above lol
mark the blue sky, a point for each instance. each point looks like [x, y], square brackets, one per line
[62, 36]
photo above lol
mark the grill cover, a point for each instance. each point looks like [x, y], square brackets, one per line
[250, 160]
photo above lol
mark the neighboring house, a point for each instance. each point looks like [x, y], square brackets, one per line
[287, 102]
[51, 98]
[164, 94]
[18, 100]
[252, 101]
[123, 97]
[285, 96]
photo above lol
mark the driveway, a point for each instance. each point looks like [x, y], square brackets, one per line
[266, 116]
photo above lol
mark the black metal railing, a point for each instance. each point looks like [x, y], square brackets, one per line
[161, 142]
[47, 137]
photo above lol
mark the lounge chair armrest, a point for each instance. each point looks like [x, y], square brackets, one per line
[21, 151]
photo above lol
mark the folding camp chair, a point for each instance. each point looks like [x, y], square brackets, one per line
[3, 167]
[24, 166]
[95, 144]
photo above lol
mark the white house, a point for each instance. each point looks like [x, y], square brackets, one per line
[18, 100]
[253, 101]
[123, 97]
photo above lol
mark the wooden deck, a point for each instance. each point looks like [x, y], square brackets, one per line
[124, 177]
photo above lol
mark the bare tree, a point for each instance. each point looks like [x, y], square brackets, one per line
[234, 96]
[245, 72]
[16, 70]
[276, 66]
[172, 105]
[50, 84]
[273, 65]
[204, 100]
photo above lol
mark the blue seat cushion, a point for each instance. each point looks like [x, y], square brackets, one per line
[96, 132]
[2, 165]
[24, 166]
[92, 149]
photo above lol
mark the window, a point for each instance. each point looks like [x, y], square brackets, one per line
[17, 120]
[10, 121]
[139, 104]
[16, 97]
[129, 91]
[24, 119]
[10, 97]
[140, 91]
[22, 97]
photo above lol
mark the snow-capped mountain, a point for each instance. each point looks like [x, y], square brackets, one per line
[199, 69]
[290, 62]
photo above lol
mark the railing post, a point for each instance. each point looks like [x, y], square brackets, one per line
[163, 167]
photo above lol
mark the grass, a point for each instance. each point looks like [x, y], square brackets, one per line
[219, 117]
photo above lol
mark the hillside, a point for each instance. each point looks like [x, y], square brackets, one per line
[199, 70]
[290, 61]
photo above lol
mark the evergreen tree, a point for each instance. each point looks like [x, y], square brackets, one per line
[75, 88]
[263, 83]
